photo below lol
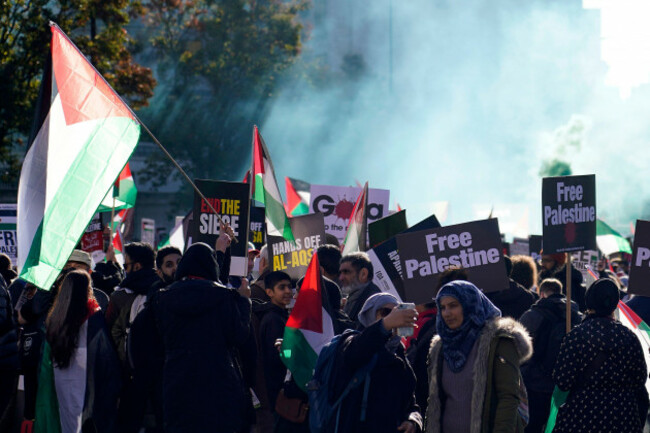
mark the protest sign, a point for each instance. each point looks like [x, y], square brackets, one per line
[638, 284]
[387, 268]
[569, 213]
[257, 232]
[231, 201]
[583, 261]
[148, 231]
[519, 247]
[535, 246]
[386, 227]
[293, 258]
[92, 241]
[336, 204]
[474, 246]
[8, 240]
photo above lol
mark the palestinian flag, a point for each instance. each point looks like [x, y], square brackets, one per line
[609, 240]
[84, 136]
[355, 238]
[265, 190]
[124, 192]
[298, 196]
[308, 329]
[631, 320]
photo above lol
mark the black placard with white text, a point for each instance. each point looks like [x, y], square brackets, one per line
[569, 213]
[386, 265]
[639, 282]
[257, 233]
[474, 246]
[294, 257]
[230, 200]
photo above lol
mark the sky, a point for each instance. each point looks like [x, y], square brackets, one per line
[464, 101]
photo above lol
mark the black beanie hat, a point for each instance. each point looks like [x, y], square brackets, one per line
[602, 297]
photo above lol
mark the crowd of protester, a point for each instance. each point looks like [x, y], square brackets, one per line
[170, 342]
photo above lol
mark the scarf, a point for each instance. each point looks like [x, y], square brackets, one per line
[477, 310]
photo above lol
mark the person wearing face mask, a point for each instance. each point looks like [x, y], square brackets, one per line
[390, 388]
[356, 274]
[474, 360]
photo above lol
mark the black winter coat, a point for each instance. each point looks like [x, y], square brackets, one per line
[539, 321]
[391, 398]
[202, 325]
[601, 364]
[273, 320]
[103, 376]
[417, 355]
[8, 333]
[514, 301]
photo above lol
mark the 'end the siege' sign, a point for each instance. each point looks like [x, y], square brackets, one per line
[569, 213]
[474, 246]
[230, 200]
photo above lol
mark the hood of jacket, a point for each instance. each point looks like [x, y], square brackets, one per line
[199, 261]
[500, 327]
[555, 303]
[513, 295]
[140, 281]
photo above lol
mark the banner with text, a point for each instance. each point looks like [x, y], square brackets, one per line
[8, 240]
[640, 266]
[336, 204]
[231, 201]
[293, 258]
[569, 213]
[257, 232]
[535, 246]
[474, 246]
[386, 265]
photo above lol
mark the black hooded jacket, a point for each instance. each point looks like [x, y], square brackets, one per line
[539, 321]
[119, 307]
[203, 325]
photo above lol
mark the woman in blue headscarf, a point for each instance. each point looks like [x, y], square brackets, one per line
[474, 380]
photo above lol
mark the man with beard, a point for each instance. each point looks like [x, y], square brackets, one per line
[356, 274]
[167, 261]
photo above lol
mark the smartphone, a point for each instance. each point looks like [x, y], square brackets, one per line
[405, 331]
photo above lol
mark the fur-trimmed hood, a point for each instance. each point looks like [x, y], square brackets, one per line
[502, 327]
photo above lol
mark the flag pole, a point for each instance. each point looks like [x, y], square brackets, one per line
[569, 270]
[135, 116]
[110, 224]
[180, 169]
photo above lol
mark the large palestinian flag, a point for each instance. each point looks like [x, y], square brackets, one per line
[123, 193]
[85, 136]
[308, 329]
[265, 190]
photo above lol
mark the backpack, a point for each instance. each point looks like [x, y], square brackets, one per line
[137, 306]
[321, 410]
[548, 346]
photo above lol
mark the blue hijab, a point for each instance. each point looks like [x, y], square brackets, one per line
[477, 309]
